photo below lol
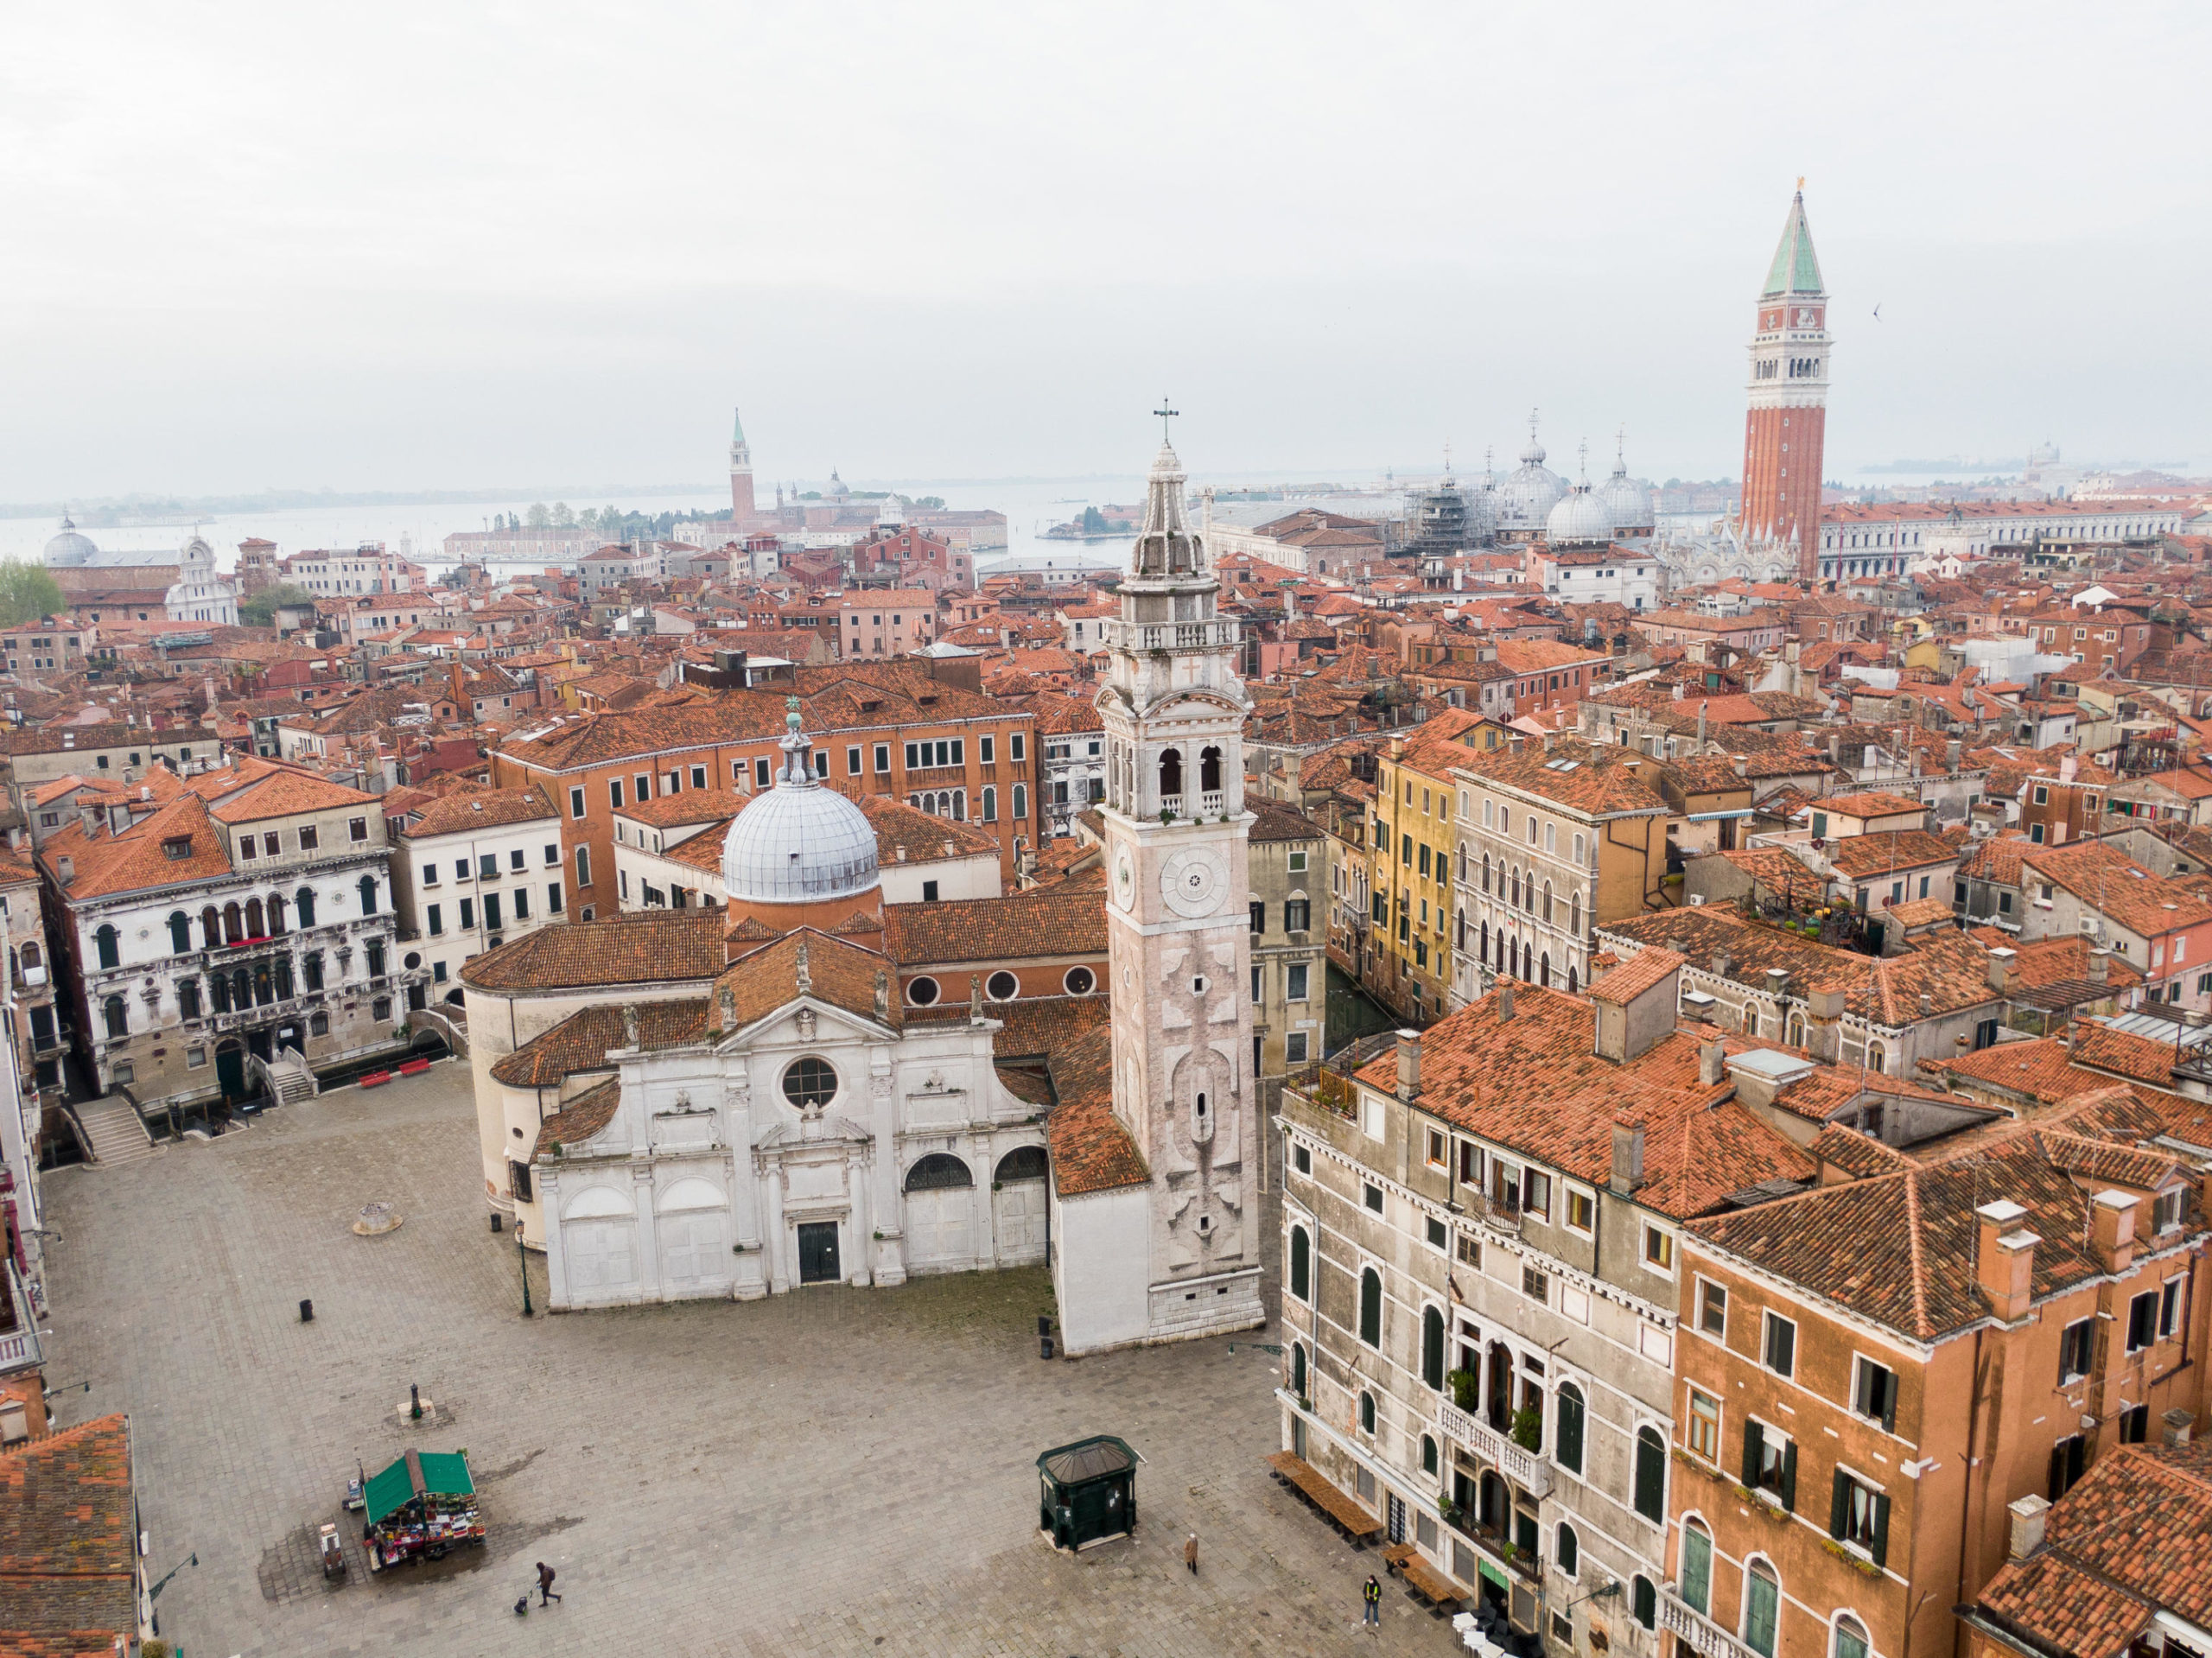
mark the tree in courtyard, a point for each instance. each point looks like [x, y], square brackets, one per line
[27, 593]
[260, 610]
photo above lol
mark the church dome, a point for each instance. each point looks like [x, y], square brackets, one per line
[1530, 492]
[1627, 502]
[801, 843]
[70, 549]
[837, 489]
[1578, 517]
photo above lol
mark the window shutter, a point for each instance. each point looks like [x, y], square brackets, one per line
[1789, 1477]
[1839, 1504]
[1569, 1449]
[1890, 1402]
[2057, 1487]
[1881, 1530]
[1754, 1446]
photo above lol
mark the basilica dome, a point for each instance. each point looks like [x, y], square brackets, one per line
[69, 549]
[1529, 492]
[1627, 503]
[1580, 516]
[802, 843]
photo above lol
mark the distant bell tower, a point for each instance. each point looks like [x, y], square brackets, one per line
[1178, 923]
[1786, 425]
[741, 471]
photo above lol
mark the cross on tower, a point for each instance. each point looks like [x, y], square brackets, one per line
[1165, 414]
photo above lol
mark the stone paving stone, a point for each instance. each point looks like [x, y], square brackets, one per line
[832, 1471]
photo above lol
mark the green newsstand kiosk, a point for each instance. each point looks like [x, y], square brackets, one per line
[1088, 1491]
[423, 1504]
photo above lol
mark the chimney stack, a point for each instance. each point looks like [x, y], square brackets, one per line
[2001, 970]
[2112, 1221]
[1711, 1062]
[2029, 1515]
[2099, 966]
[1627, 1172]
[2005, 1258]
[1408, 1064]
[1504, 1000]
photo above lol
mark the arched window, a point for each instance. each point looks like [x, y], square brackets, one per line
[30, 955]
[1643, 1604]
[368, 895]
[255, 927]
[1762, 1607]
[211, 928]
[1022, 1163]
[1850, 1638]
[242, 989]
[990, 804]
[1170, 773]
[938, 1171]
[233, 924]
[1483, 943]
[180, 932]
[218, 993]
[1544, 970]
[1571, 986]
[1574, 915]
[1021, 803]
[109, 945]
[275, 915]
[1877, 1056]
[1485, 872]
[1796, 1037]
[1567, 1437]
[1651, 1477]
[187, 998]
[1302, 1264]
[1547, 903]
[1431, 1349]
[1370, 1307]
[1210, 771]
[1567, 1550]
[1516, 889]
[117, 1017]
[1697, 1567]
[1367, 1420]
[1298, 1368]
[305, 899]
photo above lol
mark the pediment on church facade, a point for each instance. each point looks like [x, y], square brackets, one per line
[804, 1019]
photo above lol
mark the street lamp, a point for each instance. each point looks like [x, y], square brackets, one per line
[522, 1256]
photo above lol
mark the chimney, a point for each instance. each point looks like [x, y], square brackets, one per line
[2112, 1223]
[1516, 742]
[1721, 961]
[2029, 1514]
[1627, 1170]
[1409, 1065]
[2099, 966]
[88, 818]
[2001, 970]
[1927, 1005]
[1712, 1063]
[2178, 1423]
[1777, 980]
[1743, 765]
[1700, 725]
[2004, 1258]
[1952, 752]
[68, 870]
[1504, 1000]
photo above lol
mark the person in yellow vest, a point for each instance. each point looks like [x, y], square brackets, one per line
[1372, 1595]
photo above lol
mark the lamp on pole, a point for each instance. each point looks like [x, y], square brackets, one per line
[522, 1257]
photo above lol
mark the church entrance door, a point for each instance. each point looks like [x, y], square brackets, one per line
[817, 1253]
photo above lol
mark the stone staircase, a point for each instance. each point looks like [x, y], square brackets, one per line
[288, 1077]
[116, 1132]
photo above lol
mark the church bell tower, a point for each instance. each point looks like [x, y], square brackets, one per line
[1786, 426]
[1178, 922]
[741, 471]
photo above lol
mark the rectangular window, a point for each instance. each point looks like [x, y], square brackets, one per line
[699, 774]
[2165, 1210]
[515, 859]
[1298, 863]
[1439, 1150]
[309, 840]
[1303, 1157]
[1581, 1211]
[487, 866]
[882, 759]
[760, 773]
[1258, 913]
[576, 801]
[987, 749]
[553, 898]
[1658, 1249]
[461, 869]
[1470, 1251]
[1536, 1194]
[583, 866]
[1771, 1462]
[491, 909]
[429, 874]
[248, 846]
[641, 788]
[437, 925]
[1293, 1048]
[1535, 1285]
[1874, 1393]
[1014, 746]
[1704, 1437]
[521, 904]
[2076, 1349]
[1298, 915]
[1439, 1234]
[853, 761]
[2169, 1307]
[467, 913]
[1295, 982]
[357, 830]
[614, 793]
[1780, 1354]
[2142, 1321]
[1859, 1517]
[1372, 1197]
[552, 853]
[2070, 1459]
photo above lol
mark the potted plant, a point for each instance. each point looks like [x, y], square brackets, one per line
[1528, 1428]
[1461, 1383]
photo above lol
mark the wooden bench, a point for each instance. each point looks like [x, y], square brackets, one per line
[1430, 1585]
[1398, 1553]
[1355, 1522]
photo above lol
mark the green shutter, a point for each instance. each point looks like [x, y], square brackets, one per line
[1839, 1505]
[1370, 1308]
[1881, 1531]
[1754, 1446]
[1890, 1403]
[1789, 1477]
[1568, 1443]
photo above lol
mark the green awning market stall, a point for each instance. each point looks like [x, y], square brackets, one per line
[424, 1503]
[1088, 1491]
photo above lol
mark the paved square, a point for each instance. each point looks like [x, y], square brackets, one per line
[835, 1471]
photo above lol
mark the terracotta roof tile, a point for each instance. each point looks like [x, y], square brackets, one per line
[175, 846]
[1026, 925]
[1033, 1028]
[645, 947]
[68, 1537]
[579, 1119]
[583, 1041]
[838, 972]
[1091, 1150]
[477, 808]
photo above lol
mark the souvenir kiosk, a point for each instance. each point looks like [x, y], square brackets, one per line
[1087, 1492]
[423, 1504]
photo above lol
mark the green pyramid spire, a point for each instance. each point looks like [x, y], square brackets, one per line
[737, 428]
[1794, 270]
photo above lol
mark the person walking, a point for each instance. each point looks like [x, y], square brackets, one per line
[1372, 1595]
[1190, 1554]
[545, 1595]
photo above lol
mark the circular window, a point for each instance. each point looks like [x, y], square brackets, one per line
[1001, 986]
[413, 960]
[920, 992]
[1080, 981]
[810, 1082]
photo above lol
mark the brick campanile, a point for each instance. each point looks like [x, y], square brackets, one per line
[740, 472]
[1786, 425]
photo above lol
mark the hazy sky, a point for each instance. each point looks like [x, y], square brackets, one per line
[477, 245]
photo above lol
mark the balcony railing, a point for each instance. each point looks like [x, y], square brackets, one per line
[19, 1346]
[1524, 1468]
[1214, 803]
[1695, 1630]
